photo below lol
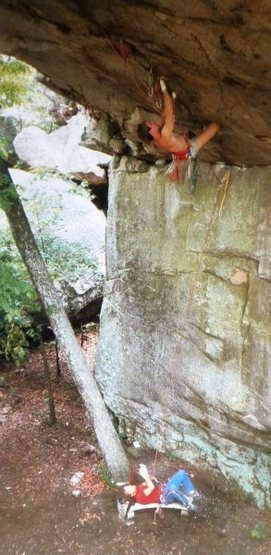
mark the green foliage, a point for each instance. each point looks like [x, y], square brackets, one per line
[20, 87]
[19, 305]
[20, 309]
[15, 77]
[15, 344]
[90, 326]
[66, 262]
[16, 86]
[2, 381]
[5, 147]
[7, 194]
[105, 475]
[259, 532]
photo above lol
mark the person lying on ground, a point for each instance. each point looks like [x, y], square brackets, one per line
[179, 488]
[164, 138]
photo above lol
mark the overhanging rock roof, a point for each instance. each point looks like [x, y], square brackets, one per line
[215, 55]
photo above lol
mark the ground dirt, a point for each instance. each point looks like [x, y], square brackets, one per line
[40, 515]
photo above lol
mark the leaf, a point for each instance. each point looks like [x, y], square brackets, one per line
[259, 532]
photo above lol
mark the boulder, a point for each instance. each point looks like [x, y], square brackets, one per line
[60, 150]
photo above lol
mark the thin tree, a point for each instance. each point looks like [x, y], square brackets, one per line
[49, 387]
[107, 437]
[58, 366]
[13, 89]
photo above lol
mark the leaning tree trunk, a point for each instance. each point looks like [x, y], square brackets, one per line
[106, 434]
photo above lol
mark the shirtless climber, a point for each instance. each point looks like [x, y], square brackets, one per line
[179, 146]
[179, 488]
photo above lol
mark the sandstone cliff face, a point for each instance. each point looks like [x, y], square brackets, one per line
[185, 337]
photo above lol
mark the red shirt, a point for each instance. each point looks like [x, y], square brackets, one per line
[153, 497]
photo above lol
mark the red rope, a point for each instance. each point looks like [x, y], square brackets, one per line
[123, 52]
[91, 485]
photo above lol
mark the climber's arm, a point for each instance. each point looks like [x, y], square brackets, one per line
[150, 486]
[168, 112]
[208, 134]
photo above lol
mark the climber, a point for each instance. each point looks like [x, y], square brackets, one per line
[179, 488]
[164, 138]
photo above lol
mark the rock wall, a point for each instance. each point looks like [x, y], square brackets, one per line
[185, 353]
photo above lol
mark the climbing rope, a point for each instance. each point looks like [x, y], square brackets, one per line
[152, 89]
[225, 185]
[91, 485]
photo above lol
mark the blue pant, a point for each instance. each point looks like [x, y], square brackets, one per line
[172, 489]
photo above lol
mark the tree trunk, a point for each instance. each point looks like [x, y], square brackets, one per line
[107, 437]
[48, 381]
[58, 367]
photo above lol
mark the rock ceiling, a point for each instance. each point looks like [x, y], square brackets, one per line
[214, 53]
